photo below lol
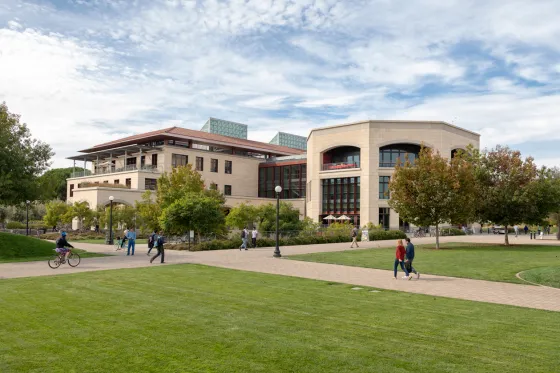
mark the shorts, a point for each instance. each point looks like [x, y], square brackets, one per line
[62, 250]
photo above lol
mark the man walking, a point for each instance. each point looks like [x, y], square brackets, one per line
[125, 237]
[160, 241]
[354, 237]
[244, 234]
[526, 229]
[516, 229]
[254, 235]
[151, 241]
[410, 257]
[131, 240]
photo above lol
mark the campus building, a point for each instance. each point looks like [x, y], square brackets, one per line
[345, 170]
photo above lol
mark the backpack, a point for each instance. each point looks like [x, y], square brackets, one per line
[160, 241]
[243, 234]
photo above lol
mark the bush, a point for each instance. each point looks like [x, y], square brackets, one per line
[15, 225]
[451, 232]
[386, 235]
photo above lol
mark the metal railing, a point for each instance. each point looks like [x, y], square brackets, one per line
[340, 166]
[112, 170]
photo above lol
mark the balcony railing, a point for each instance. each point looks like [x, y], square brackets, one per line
[340, 166]
[112, 170]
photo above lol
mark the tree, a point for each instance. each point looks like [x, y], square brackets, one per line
[52, 184]
[22, 159]
[510, 189]
[554, 198]
[175, 185]
[80, 211]
[289, 218]
[194, 211]
[433, 190]
[149, 211]
[57, 214]
[242, 215]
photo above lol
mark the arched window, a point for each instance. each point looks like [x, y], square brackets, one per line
[343, 157]
[454, 152]
[389, 155]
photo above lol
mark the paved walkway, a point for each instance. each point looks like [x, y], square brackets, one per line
[261, 260]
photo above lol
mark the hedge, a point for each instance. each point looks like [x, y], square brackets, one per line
[15, 225]
[292, 241]
[451, 232]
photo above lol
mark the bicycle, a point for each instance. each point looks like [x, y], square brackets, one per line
[119, 244]
[419, 233]
[73, 260]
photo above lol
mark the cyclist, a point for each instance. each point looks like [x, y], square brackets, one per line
[62, 244]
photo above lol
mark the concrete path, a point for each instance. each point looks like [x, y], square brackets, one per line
[261, 260]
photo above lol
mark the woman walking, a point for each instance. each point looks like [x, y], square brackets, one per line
[399, 259]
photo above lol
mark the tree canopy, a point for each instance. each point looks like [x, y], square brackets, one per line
[22, 159]
[52, 184]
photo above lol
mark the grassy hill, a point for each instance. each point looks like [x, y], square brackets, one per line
[18, 248]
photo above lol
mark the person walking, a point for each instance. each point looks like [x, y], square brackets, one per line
[354, 237]
[516, 229]
[409, 257]
[160, 241]
[526, 229]
[254, 235]
[399, 259]
[131, 241]
[244, 235]
[151, 241]
[125, 237]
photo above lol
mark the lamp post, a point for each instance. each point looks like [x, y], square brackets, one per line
[27, 217]
[278, 190]
[111, 198]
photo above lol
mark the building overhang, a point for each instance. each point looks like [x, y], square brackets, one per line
[114, 152]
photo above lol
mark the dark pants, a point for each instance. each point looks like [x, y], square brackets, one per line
[150, 249]
[402, 266]
[161, 252]
[411, 267]
[254, 241]
[123, 241]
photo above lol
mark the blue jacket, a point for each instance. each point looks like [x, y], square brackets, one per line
[410, 251]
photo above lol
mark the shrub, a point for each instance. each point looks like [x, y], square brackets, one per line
[386, 235]
[451, 232]
[15, 225]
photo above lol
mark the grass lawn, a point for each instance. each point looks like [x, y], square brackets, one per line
[101, 241]
[548, 276]
[484, 262]
[18, 248]
[190, 318]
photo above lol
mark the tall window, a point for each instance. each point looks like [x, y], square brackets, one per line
[178, 160]
[71, 190]
[291, 178]
[384, 214]
[154, 160]
[227, 190]
[384, 187]
[128, 183]
[199, 164]
[228, 167]
[341, 196]
[116, 181]
[390, 155]
[150, 184]
[131, 161]
[142, 161]
[213, 165]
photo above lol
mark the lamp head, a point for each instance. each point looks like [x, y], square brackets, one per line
[111, 198]
[278, 189]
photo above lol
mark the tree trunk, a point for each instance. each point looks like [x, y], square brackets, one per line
[507, 238]
[437, 237]
[558, 226]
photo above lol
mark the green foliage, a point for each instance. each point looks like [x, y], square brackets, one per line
[289, 218]
[22, 159]
[434, 190]
[372, 227]
[380, 235]
[242, 216]
[149, 212]
[57, 214]
[52, 184]
[452, 232]
[15, 225]
[80, 211]
[194, 211]
[177, 184]
[340, 229]
[309, 227]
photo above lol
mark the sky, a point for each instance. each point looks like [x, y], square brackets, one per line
[84, 72]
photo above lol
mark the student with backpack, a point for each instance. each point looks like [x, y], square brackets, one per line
[159, 242]
[244, 234]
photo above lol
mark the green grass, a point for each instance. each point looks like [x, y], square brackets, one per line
[548, 276]
[484, 262]
[18, 248]
[189, 318]
[101, 241]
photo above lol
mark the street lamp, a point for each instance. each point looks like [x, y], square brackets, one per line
[278, 190]
[111, 198]
[27, 217]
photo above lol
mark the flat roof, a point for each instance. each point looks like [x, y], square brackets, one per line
[392, 121]
[205, 137]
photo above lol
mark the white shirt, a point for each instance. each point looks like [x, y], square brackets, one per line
[254, 233]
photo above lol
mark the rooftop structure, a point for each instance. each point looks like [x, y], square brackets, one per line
[289, 140]
[225, 128]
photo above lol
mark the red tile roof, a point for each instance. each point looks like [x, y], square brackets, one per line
[178, 132]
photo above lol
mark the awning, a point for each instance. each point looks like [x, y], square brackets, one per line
[116, 152]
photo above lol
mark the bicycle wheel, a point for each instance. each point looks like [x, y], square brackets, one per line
[54, 262]
[73, 260]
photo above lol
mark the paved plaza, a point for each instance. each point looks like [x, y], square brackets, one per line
[261, 260]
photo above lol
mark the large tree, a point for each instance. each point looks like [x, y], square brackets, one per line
[149, 211]
[22, 159]
[433, 190]
[553, 196]
[241, 216]
[57, 214]
[175, 185]
[289, 218]
[52, 184]
[511, 189]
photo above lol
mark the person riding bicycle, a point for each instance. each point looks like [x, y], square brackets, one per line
[62, 244]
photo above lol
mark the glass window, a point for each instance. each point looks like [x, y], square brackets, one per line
[384, 215]
[116, 181]
[71, 190]
[262, 182]
[177, 160]
[213, 165]
[384, 187]
[131, 161]
[154, 160]
[150, 184]
[227, 190]
[199, 164]
[128, 182]
[228, 167]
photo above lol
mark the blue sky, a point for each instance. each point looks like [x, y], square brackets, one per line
[82, 72]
